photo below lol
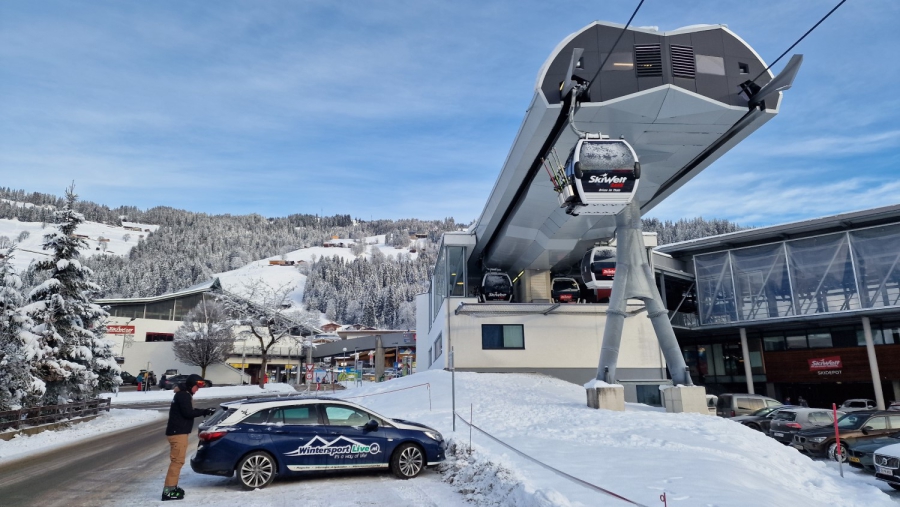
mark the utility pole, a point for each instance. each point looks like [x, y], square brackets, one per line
[309, 360]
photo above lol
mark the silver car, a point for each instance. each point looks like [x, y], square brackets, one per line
[786, 423]
[855, 404]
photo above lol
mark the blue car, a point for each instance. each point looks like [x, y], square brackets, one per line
[262, 438]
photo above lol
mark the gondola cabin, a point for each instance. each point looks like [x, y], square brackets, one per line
[598, 268]
[565, 290]
[604, 176]
[495, 288]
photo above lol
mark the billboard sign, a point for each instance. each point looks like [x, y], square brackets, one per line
[119, 329]
[825, 363]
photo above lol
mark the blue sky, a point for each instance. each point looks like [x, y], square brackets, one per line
[403, 109]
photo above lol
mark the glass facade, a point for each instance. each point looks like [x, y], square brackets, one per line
[824, 274]
[721, 363]
[449, 277]
[170, 309]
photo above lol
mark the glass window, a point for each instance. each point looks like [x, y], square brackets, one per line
[339, 415]
[785, 415]
[159, 337]
[877, 337]
[438, 346]
[439, 283]
[894, 421]
[877, 423]
[843, 336]
[260, 417]
[714, 65]
[502, 336]
[773, 403]
[649, 395]
[715, 290]
[618, 61]
[772, 343]
[305, 415]
[891, 334]
[185, 304]
[876, 252]
[796, 342]
[762, 288]
[819, 340]
[456, 263]
[718, 360]
[747, 403]
[822, 275]
[161, 311]
[128, 311]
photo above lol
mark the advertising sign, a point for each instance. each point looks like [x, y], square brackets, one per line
[617, 180]
[825, 363]
[119, 329]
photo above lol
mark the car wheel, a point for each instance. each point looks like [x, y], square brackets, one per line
[754, 427]
[407, 461]
[256, 470]
[832, 452]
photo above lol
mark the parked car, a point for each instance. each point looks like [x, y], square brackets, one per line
[733, 405]
[128, 378]
[787, 423]
[262, 438]
[760, 419]
[711, 401]
[173, 381]
[887, 465]
[855, 404]
[861, 454]
[853, 427]
[894, 406]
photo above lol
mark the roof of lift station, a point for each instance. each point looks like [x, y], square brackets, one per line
[677, 125]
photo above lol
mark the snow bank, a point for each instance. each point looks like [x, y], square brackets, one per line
[639, 454]
[206, 392]
[116, 419]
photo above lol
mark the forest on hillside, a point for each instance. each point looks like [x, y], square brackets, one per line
[188, 248]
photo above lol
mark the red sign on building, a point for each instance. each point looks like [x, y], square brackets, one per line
[119, 329]
[825, 363]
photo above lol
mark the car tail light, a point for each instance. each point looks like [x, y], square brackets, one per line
[795, 426]
[209, 436]
[732, 413]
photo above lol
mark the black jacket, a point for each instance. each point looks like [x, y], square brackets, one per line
[182, 413]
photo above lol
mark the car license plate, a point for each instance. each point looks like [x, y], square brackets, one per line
[854, 459]
[883, 470]
[778, 434]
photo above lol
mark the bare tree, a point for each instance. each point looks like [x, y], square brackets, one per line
[204, 337]
[261, 314]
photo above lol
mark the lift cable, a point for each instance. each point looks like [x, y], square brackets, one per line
[633, 14]
[800, 39]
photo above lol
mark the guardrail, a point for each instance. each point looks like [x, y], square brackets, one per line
[34, 416]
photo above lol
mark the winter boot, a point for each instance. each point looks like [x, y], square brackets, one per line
[172, 493]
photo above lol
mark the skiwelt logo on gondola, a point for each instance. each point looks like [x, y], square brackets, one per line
[340, 446]
[825, 363]
[609, 181]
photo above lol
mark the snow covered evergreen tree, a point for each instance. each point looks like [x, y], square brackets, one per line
[78, 362]
[19, 347]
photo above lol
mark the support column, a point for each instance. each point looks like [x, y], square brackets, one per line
[746, 352]
[379, 358]
[873, 363]
[896, 386]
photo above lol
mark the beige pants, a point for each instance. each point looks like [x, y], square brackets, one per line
[177, 450]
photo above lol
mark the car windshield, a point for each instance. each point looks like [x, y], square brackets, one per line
[764, 411]
[852, 421]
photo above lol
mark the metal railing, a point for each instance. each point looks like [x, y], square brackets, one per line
[34, 416]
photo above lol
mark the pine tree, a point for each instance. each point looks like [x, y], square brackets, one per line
[78, 361]
[19, 347]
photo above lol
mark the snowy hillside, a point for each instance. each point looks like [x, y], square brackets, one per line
[276, 277]
[30, 247]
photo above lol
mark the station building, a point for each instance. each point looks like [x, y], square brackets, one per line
[809, 308]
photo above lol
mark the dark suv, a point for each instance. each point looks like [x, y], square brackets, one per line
[854, 427]
[173, 381]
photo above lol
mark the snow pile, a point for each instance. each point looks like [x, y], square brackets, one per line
[639, 454]
[116, 419]
[273, 389]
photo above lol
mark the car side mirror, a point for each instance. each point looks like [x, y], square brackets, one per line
[372, 425]
[866, 430]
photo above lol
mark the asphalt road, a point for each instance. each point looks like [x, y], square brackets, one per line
[98, 471]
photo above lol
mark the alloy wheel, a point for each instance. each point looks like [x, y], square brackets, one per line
[257, 471]
[411, 461]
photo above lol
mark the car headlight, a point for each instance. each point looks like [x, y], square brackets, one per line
[818, 440]
[434, 435]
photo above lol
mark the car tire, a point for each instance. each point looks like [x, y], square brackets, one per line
[256, 470]
[408, 461]
[754, 427]
[832, 452]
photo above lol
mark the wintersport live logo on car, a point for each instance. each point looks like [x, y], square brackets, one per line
[329, 449]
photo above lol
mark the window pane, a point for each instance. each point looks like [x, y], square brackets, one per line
[876, 252]
[491, 336]
[877, 337]
[299, 415]
[715, 291]
[714, 65]
[345, 416]
[618, 61]
[843, 337]
[162, 310]
[185, 304]
[774, 342]
[877, 423]
[763, 287]
[822, 275]
[129, 311]
[513, 337]
[895, 422]
[817, 340]
[257, 418]
[796, 342]
[648, 395]
[456, 261]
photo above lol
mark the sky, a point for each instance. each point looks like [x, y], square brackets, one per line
[398, 109]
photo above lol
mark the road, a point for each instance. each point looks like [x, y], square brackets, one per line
[128, 467]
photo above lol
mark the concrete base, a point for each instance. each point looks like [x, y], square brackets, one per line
[685, 399]
[609, 397]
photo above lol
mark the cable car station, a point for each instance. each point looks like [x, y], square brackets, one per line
[621, 117]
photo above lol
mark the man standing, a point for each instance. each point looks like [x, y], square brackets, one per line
[181, 424]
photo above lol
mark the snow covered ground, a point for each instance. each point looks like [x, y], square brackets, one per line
[639, 454]
[133, 397]
[275, 277]
[30, 248]
[116, 419]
